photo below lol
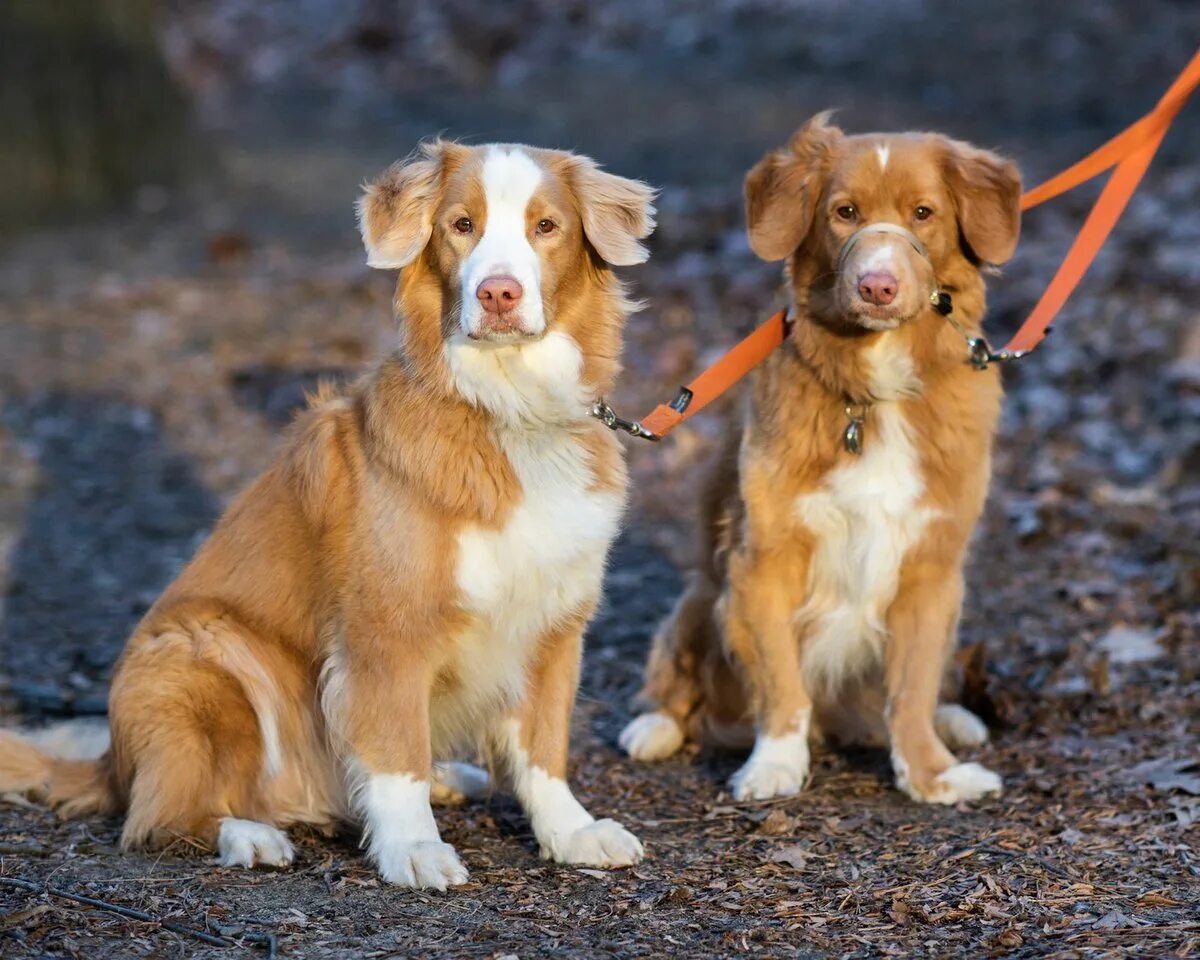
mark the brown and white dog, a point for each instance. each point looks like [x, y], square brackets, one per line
[830, 581]
[412, 576]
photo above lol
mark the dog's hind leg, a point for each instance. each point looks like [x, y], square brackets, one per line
[456, 782]
[188, 746]
[958, 727]
[673, 685]
[248, 843]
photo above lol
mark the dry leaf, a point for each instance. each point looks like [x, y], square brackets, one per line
[1126, 644]
[792, 854]
[1167, 774]
[777, 824]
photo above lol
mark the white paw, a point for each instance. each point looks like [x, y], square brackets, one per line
[764, 780]
[456, 782]
[248, 843]
[963, 781]
[651, 736]
[604, 843]
[959, 727]
[428, 864]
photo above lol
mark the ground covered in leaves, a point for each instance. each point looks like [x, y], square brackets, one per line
[149, 361]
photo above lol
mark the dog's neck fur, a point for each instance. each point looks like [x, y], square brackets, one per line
[836, 352]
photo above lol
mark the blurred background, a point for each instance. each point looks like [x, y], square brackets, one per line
[179, 260]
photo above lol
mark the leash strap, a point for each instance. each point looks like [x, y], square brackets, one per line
[718, 378]
[1130, 152]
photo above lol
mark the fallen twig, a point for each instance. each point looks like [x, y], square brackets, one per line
[18, 850]
[267, 939]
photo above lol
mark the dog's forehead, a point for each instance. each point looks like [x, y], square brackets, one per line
[507, 175]
[889, 165]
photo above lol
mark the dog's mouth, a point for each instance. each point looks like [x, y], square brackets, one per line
[872, 317]
[500, 329]
[504, 337]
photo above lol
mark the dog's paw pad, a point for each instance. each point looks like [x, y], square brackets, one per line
[457, 782]
[651, 736]
[959, 727]
[248, 843]
[431, 865]
[764, 780]
[604, 843]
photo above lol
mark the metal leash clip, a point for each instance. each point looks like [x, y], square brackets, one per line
[979, 351]
[608, 416]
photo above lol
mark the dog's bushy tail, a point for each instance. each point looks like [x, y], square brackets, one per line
[65, 766]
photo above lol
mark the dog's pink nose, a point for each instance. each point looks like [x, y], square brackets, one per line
[878, 287]
[499, 294]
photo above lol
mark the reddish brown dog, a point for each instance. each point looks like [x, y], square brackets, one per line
[830, 582]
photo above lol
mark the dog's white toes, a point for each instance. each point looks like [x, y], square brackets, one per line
[248, 843]
[604, 843]
[959, 727]
[455, 782]
[966, 781]
[430, 864]
[765, 780]
[963, 781]
[651, 736]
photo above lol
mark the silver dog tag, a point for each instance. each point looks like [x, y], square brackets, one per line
[852, 438]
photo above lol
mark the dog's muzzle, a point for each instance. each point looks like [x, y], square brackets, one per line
[891, 228]
[979, 351]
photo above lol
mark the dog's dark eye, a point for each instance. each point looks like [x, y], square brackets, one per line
[922, 213]
[464, 225]
[847, 212]
[546, 226]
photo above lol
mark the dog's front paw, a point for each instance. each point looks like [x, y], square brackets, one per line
[765, 780]
[963, 781]
[248, 843]
[652, 736]
[604, 843]
[428, 864]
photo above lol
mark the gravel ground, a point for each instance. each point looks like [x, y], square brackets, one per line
[149, 360]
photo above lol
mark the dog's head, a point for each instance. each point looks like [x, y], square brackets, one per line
[935, 209]
[504, 230]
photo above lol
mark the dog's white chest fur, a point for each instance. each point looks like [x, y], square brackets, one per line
[864, 518]
[541, 567]
[547, 561]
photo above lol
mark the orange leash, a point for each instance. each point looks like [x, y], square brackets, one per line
[1130, 152]
[718, 378]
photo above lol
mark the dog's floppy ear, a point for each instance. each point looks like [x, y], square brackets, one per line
[395, 212]
[616, 212]
[783, 188]
[987, 193]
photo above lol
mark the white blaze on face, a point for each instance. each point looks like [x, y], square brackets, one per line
[510, 178]
[882, 151]
[880, 257]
